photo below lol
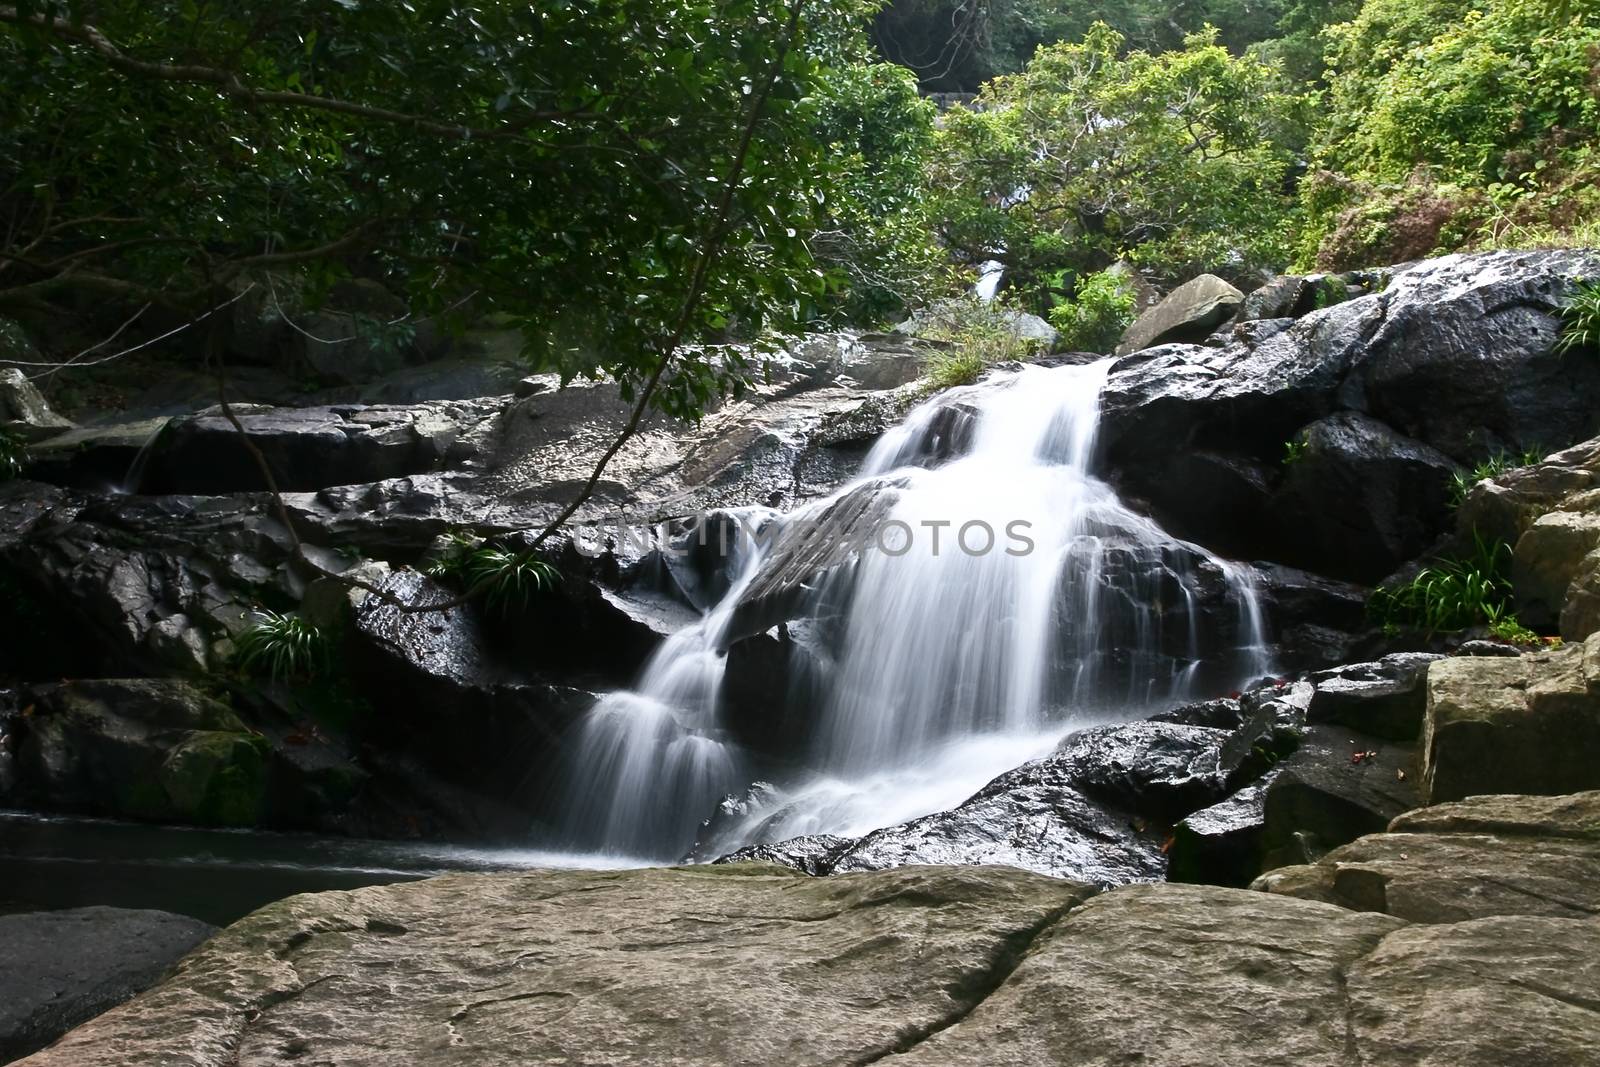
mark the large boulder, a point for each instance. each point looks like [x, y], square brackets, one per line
[62, 968]
[1188, 313]
[1457, 356]
[155, 750]
[1550, 556]
[749, 964]
[1486, 856]
[1524, 724]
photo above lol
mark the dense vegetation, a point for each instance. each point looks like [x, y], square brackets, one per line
[625, 178]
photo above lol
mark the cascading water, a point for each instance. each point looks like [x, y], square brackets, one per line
[1007, 597]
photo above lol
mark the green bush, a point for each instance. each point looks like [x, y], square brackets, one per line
[282, 647]
[1580, 319]
[1094, 319]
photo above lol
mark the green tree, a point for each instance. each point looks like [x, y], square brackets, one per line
[1447, 117]
[1176, 161]
[561, 163]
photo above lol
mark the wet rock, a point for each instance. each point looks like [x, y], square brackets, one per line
[1386, 699]
[448, 698]
[1489, 855]
[1188, 313]
[1158, 770]
[95, 457]
[1034, 818]
[1524, 725]
[63, 968]
[1223, 713]
[1222, 844]
[1335, 787]
[1394, 356]
[814, 854]
[23, 411]
[154, 750]
[313, 448]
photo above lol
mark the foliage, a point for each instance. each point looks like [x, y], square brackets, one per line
[1294, 451]
[1491, 104]
[282, 646]
[1174, 161]
[1580, 319]
[1094, 319]
[956, 46]
[1461, 482]
[13, 456]
[875, 240]
[1507, 628]
[978, 334]
[510, 579]
[561, 164]
[1451, 594]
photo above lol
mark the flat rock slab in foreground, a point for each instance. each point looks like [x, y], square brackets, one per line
[748, 964]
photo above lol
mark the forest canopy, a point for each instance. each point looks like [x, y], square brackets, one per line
[627, 179]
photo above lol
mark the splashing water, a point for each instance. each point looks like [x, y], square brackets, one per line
[1010, 597]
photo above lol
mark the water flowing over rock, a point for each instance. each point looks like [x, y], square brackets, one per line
[974, 593]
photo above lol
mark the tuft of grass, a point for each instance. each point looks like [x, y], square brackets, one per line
[510, 581]
[1507, 628]
[1580, 319]
[282, 647]
[1294, 451]
[1461, 482]
[1452, 594]
[980, 335]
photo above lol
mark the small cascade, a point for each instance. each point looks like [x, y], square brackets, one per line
[134, 478]
[1008, 597]
[651, 761]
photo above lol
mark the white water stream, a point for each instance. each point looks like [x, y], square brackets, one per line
[1011, 598]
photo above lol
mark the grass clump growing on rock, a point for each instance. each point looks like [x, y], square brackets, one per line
[508, 579]
[282, 647]
[1452, 594]
[1580, 319]
[1461, 482]
[979, 335]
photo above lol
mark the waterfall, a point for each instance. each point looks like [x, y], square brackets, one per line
[1007, 597]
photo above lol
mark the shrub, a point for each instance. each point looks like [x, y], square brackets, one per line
[1100, 310]
[1580, 319]
[282, 647]
[1294, 451]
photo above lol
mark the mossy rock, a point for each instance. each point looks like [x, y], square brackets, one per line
[217, 778]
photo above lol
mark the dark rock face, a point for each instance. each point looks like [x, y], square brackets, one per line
[1455, 356]
[1361, 499]
[1386, 699]
[62, 968]
[1337, 786]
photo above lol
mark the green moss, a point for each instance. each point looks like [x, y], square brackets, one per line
[217, 778]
